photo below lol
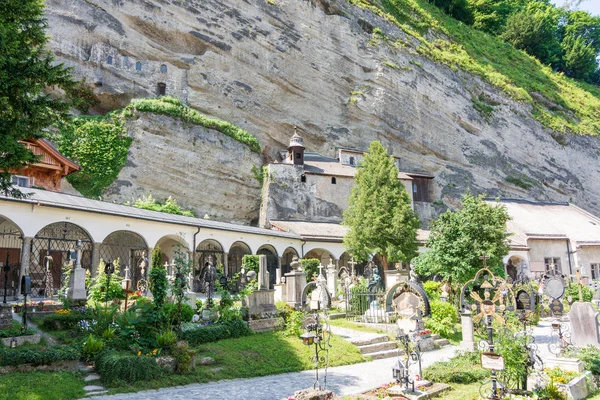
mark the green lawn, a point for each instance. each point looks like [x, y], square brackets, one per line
[257, 355]
[41, 386]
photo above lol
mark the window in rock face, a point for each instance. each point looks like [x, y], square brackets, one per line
[109, 60]
[163, 69]
[138, 66]
[162, 88]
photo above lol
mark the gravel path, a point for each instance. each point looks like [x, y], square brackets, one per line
[344, 380]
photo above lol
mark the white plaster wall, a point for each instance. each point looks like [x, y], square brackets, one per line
[542, 248]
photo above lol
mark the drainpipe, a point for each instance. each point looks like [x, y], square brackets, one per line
[569, 258]
[302, 248]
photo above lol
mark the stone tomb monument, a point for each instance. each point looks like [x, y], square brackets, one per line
[295, 283]
[76, 291]
[584, 322]
[261, 302]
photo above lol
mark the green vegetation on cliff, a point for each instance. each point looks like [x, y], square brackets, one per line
[100, 144]
[558, 102]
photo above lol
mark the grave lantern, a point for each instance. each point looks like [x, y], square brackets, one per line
[398, 371]
[308, 338]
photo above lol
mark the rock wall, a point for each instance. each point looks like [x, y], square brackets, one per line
[203, 169]
[268, 67]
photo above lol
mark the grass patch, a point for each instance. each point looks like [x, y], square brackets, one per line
[523, 183]
[41, 386]
[257, 355]
[559, 103]
[175, 108]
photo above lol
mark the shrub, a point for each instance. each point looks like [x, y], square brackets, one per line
[92, 346]
[573, 291]
[170, 206]
[16, 330]
[184, 356]
[292, 319]
[58, 322]
[311, 267]
[590, 358]
[250, 263]
[442, 319]
[20, 356]
[196, 334]
[515, 355]
[464, 368]
[100, 291]
[158, 284]
[114, 367]
[166, 338]
[432, 288]
[187, 312]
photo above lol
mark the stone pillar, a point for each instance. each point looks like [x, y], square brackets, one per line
[225, 264]
[95, 259]
[263, 273]
[332, 279]
[280, 292]
[278, 276]
[468, 334]
[25, 260]
[295, 282]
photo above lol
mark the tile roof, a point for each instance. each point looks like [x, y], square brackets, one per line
[72, 202]
[538, 220]
[324, 230]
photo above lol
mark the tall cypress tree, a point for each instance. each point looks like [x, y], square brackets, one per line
[379, 213]
[26, 71]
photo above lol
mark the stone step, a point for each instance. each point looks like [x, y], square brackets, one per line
[366, 342]
[92, 377]
[374, 348]
[384, 354]
[93, 388]
[442, 342]
[96, 393]
[435, 336]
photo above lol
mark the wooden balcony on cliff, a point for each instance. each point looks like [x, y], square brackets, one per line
[51, 167]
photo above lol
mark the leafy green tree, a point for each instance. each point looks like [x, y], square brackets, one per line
[491, 15]
[458, 9]
[379, 212]
[579, 59]
[26, 71]
[535, 29]
[459, 238]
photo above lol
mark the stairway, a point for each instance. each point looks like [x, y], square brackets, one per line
[377, 347]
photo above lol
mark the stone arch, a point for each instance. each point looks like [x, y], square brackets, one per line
[130, 248]
[286, 259]
[49, 250]
[272, 261]
[169, 245]
[206, 249]
[11, 244]
[320, 254]
[515, 266]
[234, 259]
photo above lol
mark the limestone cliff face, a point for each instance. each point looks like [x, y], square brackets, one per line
[267, 67]
[172, 158]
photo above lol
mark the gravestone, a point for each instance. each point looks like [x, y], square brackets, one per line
[525, 301]
[261, 302]
[468, 332]
[295, 282]
[331, 278]
[76, 291]
[5, 316]
[410, 303]
[584, 324]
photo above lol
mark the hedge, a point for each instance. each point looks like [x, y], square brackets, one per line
[199, 334]
[114, 367]
[13, 357]
[58, 322]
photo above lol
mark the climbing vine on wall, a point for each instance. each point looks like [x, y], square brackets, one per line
[100, 146]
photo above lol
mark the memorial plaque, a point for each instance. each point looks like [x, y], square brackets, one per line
[523, 300]
[492, 361]
[554, 287]
[556, 307]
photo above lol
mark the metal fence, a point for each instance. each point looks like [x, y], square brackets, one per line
[368, 307]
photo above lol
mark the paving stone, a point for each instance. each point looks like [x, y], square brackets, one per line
[91, 388]
[92, 377]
